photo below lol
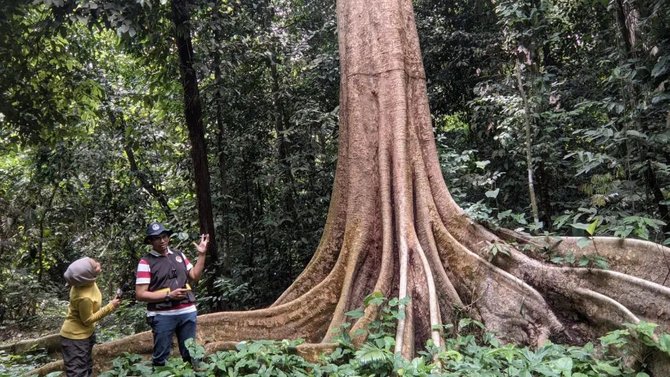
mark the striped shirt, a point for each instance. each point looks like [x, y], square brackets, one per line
[165, 272]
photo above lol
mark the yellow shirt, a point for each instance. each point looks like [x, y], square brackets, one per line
[84, 311]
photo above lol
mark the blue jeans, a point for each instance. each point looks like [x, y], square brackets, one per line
[163, 327]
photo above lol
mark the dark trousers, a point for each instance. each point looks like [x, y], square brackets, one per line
[78, 356]
[164, 327]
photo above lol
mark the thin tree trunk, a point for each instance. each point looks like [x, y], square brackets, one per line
[543, 183]
[657, 195]
[40, 246]
[193, 115]
[528, 125]
[144, 179]
[224, 267]
[628, 19]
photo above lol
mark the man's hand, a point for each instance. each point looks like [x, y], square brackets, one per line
[196, 271]
[178, 294]
[202, 246]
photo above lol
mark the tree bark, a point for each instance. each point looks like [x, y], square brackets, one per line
[528, 127]
[223, 268]
[40, 243]
[50, 343]
[657, 195]
[196, 129]
[543, 184]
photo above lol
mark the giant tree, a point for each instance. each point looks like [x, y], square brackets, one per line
[393, 228]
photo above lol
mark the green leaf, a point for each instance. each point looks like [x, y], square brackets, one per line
[369, 354]
[492, 194]
[589, 228]
[602, 263]
[557, 260]
[661, 67]
[375, 298]
[465, 322]
[451, 354]
[615, 338]
[358, 313]
[583, 242]
[564, 365]
[611, 370]
[645, 328]
[636, 134]
[664, 343]
[623, 232]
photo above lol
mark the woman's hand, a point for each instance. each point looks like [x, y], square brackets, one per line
[202, 246]
[115, 302]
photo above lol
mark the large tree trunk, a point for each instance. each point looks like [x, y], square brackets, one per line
[393, 227]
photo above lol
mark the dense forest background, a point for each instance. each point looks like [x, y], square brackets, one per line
[551, 117]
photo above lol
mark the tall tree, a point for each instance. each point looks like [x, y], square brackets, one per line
[393, 228]
[193, 114]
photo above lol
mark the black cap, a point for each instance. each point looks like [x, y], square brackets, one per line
[155, 229]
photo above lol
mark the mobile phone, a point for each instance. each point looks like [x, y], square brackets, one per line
[121, 290]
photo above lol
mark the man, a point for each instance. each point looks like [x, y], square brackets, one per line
[163, 277]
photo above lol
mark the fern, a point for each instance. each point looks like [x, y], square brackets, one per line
[371, 354]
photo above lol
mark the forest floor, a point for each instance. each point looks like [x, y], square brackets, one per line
[12, 332]
[29, 328]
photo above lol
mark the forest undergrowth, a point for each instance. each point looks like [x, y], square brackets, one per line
[470, 351]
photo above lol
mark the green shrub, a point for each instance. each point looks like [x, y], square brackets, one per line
[469, 351]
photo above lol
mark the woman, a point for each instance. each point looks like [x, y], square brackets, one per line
[77, 333]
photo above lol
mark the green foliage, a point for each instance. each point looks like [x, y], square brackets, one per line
[469, 351]
[498, 247]
[128, 365]
[30, 303]
[14, 365]
[587, 261]
[108, 151]
[228, 290]
[128, 319]
[597, 133]
[93, 143]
